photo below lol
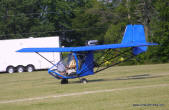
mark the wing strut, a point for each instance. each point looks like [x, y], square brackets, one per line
[44, 58]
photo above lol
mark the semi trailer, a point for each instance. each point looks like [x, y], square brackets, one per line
[12, 61]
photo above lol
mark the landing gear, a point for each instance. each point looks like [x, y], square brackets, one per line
[64, 81]
[83, 80]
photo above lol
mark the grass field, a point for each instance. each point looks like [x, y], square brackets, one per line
[142, 87]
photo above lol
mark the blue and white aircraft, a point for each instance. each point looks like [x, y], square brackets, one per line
[80, 61]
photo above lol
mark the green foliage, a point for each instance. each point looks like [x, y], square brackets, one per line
[160, 33]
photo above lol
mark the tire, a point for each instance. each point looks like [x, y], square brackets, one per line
[64, 81]
[10, 69]
[20, 69]
[30, 68]
[83, 80]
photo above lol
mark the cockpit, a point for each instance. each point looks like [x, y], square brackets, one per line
[70, 65]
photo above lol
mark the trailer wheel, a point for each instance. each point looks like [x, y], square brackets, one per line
[30, 68]
[10, 69]
[20, 69]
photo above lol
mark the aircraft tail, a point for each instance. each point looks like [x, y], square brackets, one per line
[135, 34]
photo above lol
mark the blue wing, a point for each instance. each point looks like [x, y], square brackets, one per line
[85, 48]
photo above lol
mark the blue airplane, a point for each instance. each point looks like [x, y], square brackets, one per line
[82, 58]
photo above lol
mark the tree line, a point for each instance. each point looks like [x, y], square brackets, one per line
[77, 21]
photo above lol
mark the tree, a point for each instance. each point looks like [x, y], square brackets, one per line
[160, 33]
[18, 17]
[90, 22]
[119, 21]
[141, 12]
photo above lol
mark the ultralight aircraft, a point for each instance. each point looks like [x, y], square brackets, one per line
[81, 58]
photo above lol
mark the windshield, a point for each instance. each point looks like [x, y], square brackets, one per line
[81, 60]
[66, 66]
[71, 64]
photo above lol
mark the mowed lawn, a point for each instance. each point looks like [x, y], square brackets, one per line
[141, 87]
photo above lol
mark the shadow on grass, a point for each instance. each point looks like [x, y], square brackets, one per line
[134, 77]
[90, 81]
[142, 76]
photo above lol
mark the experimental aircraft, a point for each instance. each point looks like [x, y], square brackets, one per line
[83, 57]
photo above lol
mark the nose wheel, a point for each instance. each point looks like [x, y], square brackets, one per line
[64, 81]
[83, 80]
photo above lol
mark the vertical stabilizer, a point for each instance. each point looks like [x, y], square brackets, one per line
[135, 34]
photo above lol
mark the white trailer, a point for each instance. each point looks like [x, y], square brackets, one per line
[12, 61]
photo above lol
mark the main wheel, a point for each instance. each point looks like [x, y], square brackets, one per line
[64, 81]
[20, 69]
[83, 80]
[10, 69]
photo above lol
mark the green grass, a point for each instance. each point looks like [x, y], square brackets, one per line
[40, 84]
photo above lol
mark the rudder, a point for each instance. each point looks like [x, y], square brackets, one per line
[135, 34]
